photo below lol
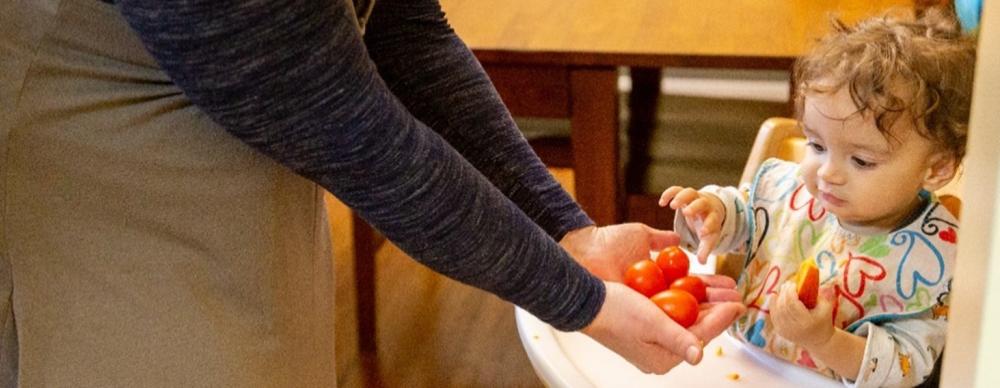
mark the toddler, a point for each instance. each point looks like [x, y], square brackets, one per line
[884, 106]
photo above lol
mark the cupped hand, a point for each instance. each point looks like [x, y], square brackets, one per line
[794, 322]
[608, 251]
[703, 213]
[720, 288]
[633, 327]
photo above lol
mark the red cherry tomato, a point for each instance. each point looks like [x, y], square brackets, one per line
[673, 262]
[693, 285]
[679, 305]
[645, 277]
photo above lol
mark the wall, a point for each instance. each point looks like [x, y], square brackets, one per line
[974, 331]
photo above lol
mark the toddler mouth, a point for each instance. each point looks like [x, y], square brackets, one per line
[832, 199]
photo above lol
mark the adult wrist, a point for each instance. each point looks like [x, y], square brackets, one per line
[577, 240]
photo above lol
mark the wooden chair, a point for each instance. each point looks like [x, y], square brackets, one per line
[782, 138]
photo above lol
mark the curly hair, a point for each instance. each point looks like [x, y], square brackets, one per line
[893, 65]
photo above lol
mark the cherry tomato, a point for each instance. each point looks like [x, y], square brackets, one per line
[679, 305]
[645, 277]
[693, 285]
[673, 262]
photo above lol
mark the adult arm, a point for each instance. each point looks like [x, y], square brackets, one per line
[293, 80]
[438, 79]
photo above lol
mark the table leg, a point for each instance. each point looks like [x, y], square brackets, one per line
[365, 245]
[642, 103]
[594, 138]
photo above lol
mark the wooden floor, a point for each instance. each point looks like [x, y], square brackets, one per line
[432, 331]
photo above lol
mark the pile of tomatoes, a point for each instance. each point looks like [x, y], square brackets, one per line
[667, 283]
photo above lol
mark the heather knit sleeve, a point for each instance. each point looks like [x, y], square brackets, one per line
[439, 80]
[293, 80]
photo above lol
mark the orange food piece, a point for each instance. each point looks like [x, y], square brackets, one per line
[807, 283]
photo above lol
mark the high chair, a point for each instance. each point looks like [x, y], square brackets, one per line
[782, 138]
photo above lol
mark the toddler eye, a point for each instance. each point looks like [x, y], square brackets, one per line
[815, 146]
[862, 163]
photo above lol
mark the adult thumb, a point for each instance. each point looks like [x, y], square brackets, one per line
[681, 343]
[660, 239]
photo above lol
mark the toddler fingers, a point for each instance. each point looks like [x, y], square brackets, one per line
[787, 290]
[789, 299]
[668, 195]
[779, 306]
[824, 308]
[705, 247]
[712, 223]
[684, 198]
[697, 207]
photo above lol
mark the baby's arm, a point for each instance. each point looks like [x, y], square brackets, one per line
[894, 353]
[900, 353]
[714, 218]
[814, 331]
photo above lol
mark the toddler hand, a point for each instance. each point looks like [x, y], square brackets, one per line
[794, 322]
[703, 213]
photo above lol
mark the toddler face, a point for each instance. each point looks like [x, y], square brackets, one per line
[868, 180]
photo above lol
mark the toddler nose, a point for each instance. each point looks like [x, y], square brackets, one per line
[830, 173]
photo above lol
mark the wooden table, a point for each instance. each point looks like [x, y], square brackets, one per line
[559, 59]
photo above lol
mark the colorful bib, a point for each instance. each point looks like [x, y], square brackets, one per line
[874, 278]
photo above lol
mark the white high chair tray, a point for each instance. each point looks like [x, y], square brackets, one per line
[573, 360]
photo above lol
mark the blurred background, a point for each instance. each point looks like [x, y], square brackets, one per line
[433, 332]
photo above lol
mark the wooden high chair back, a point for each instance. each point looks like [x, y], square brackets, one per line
[782, 138]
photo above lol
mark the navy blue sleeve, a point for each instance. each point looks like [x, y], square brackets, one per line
[439, 80]
[294, 80]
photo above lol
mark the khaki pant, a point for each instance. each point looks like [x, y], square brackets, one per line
[140, 244]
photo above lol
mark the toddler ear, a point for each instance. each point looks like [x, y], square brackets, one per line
[941, 169]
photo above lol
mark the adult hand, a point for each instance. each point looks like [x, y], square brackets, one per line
[720, 288]
[794, 322]
[632, 326]
[608, 251]
[703, 213]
